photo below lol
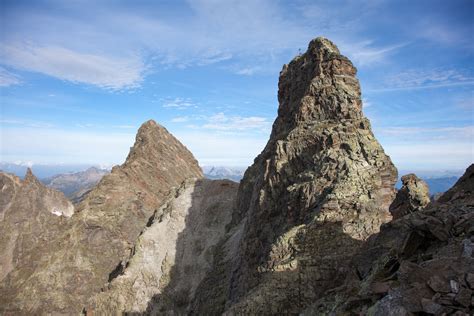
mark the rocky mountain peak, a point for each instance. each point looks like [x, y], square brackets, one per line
[322, 180]
[155, 146]
[323, 44]
[319, 85]
[101, 235]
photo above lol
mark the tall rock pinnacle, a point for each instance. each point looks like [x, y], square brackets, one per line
[321, 186]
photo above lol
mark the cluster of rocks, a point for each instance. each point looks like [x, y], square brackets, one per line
[422, 262]
[309, 229]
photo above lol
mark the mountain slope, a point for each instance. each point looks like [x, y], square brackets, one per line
[90, 249]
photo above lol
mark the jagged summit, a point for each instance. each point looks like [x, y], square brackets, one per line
[30, 177]
[154, 145]
[319, 85]
[322, 43]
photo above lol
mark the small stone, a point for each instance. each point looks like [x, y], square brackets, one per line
[464, 297]
[439, 285]
[470, 280]
[380, 287]
[446, 299]
[467, 248]
[431, 307]
[454, 286]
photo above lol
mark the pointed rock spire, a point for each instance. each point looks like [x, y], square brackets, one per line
[322, 164]
[30, 177]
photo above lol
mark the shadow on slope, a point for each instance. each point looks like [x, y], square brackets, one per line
[315, 261]
[205, 222]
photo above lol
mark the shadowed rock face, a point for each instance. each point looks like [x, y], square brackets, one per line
[414, 195]
[174, 253]
[420, 263]
[321, 185]
[86, 253]
[30, 214]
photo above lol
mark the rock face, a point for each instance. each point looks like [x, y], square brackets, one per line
[89, 252]
[30, 214]
[173, 254]
[321, 186]
[413, 196]
[420, 263]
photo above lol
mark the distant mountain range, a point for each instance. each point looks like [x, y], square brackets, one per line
[75, 185]
[44, 171]
[75, 179]
[221, 172]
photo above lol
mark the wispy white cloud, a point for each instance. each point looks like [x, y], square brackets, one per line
[365, 53]
[248, 71]
[366, 103]
[432, 133]
[419, 79]
[180, 119]
[103, 71]
[25, 123]
[7, 78]
[179, 103]
[222, 122]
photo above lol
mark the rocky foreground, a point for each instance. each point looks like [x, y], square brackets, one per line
[315, 226]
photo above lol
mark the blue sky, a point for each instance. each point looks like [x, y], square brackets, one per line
[78, 78]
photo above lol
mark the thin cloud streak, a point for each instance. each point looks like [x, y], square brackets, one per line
[65, 64]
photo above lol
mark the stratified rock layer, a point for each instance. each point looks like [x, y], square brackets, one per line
[321, 186]
[422, 263]
[90, 250]
[413, 196]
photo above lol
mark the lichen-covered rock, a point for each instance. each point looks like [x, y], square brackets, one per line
[413, 196]
[423, 259]
[63, 273]
[321, 186]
